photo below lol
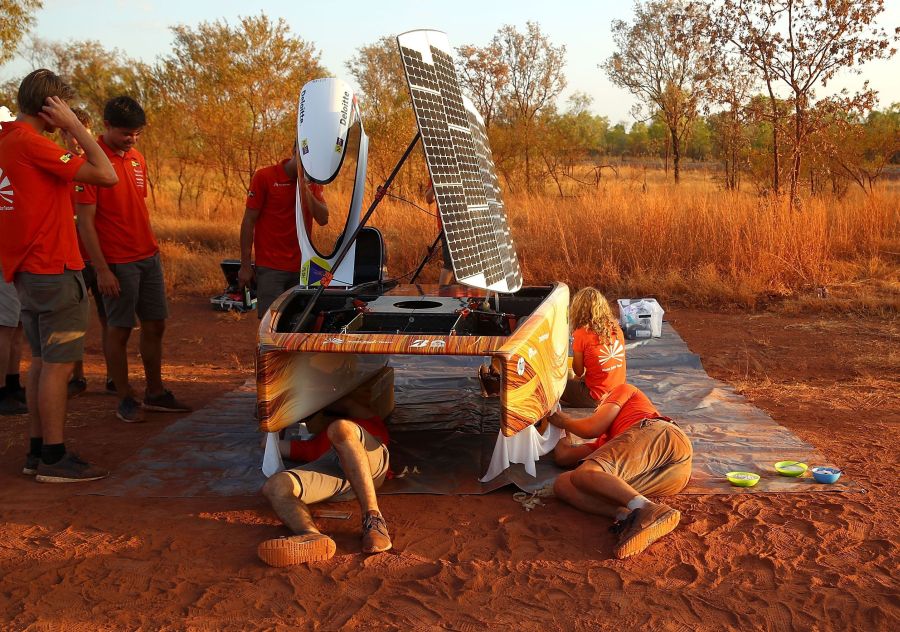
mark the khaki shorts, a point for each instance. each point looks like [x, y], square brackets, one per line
[653, 456]
[270, 284]
[54, 314]
[10, 308]
[324, 479]
[142, 293]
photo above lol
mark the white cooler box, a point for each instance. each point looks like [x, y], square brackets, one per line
[640, 317]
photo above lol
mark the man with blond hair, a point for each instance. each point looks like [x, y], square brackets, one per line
[39, 252]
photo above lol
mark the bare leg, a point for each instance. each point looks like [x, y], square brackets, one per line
[103, 334]
[344, 436]
[78, 370]
[47, 384]
[117, 359]
[307, 544]
[31, 395]
[589, 479]
[151, 354]
[283, 492]
[6, 347]
[565, 490]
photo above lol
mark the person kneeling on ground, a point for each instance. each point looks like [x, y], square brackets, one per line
[636, 451]
[346, 459]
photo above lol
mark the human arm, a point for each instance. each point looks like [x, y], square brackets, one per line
[578, 363]
[107, 282]
[314, 199]
[248, 225]
[97, 169]
[596, 425]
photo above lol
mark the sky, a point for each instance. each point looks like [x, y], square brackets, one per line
[140, 28]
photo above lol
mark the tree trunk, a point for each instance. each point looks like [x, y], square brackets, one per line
[676, 156]
[798, 140]
[776, 167]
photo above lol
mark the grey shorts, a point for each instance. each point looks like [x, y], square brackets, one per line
[54, 314]
[270, 284]
[10, 307]
[324, 478]
[90, 281]
[142, 293]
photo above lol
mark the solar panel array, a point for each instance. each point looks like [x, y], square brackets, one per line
[461, 166]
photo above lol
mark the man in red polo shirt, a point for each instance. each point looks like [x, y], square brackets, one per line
[269, 227]
[39, 251]
[115, 227]
[635, 451]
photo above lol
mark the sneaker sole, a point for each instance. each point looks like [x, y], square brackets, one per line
[378, 549]
[664, 524]
[43, 478]
[163, 409]
[129, 421]
[288, 552]
[27, 471]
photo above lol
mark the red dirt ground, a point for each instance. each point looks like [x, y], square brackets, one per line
[793, 561]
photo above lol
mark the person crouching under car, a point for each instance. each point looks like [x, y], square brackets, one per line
[346, 459]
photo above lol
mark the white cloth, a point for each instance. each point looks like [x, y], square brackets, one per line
[525, 447]
[272, 463]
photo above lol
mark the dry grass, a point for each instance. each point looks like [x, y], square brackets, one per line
[634, 235]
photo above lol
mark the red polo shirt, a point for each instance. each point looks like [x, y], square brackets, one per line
[272, 193]
[633, 407]
[122, 220]
[37, 233]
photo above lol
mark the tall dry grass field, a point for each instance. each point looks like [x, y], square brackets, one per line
[693, 244]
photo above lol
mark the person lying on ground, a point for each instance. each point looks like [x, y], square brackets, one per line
[635, 452]
[598, 361]
[346, 459]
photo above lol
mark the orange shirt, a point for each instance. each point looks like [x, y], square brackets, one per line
[604, 359]
[122, 220]
[37, 233]
[272, 193]
[634, 406]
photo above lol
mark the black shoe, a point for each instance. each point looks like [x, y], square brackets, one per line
[77, 385]
[31, 464]
[69, 469]
[19, 395]
[110, 387]
[130, 411]
[10, 405]
[165, 403]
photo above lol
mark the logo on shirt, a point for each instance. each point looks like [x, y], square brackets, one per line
[79, 188]
[612, 353]
[65, 158]
[251, 194]
[6, 192]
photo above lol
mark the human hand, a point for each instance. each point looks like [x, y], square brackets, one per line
[108, 283]
[245, 275]
[558, 419]
[57, 113]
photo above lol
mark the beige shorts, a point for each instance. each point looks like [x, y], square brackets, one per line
[324, 478]
[654, 456]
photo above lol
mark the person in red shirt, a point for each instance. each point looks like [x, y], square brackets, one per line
[39, 252]
[635, 451]
[114, 225]
[347, 458]
[269, 228]
[78, 383]
[598, 350]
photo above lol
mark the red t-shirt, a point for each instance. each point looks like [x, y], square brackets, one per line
[604, 359]
[312, 449]
[634, 406]
[273, 193]
[122, 220]
[37, 233]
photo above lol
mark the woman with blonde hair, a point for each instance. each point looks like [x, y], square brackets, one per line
[599, 350]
